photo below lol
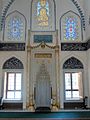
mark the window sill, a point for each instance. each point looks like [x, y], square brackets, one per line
[73, 104]
[73, 101]
[12, 101]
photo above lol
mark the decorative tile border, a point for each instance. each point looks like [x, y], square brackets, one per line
[74, 46]
[12, 46]
[75, 2]
[64, 46]
[4, 12]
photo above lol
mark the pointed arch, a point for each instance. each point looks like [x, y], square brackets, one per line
[13, 63]
[73, 63]
[71, 27]
[69, 12]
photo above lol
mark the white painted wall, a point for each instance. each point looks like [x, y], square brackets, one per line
[88, 73]
[0, 14]
[82, 56]
[62, 6]
[4, 56]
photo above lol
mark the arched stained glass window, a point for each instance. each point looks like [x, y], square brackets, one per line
[15, 28]
[42, 12]
[43, 15]
[71, 28]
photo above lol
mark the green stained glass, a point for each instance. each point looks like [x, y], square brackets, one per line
[43, 38]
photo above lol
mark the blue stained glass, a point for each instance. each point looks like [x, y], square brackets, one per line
[39, 7]
[15, 28]
[47, 8]
[71, 28]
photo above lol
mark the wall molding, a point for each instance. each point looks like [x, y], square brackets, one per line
[74, 46]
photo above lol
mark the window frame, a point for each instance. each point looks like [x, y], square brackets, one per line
[73, 71]
[4, 91]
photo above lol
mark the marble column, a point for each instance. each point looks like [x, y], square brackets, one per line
[29, 100]
[57, 77]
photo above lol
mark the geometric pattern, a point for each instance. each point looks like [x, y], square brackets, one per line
[13, 63]
[73, 63]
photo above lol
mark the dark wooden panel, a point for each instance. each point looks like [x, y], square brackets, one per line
[73, 105]
[16, 106]
[12, 46]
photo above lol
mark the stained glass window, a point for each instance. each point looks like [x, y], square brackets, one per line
[42, 12]
[15, 28]
[71, 28]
